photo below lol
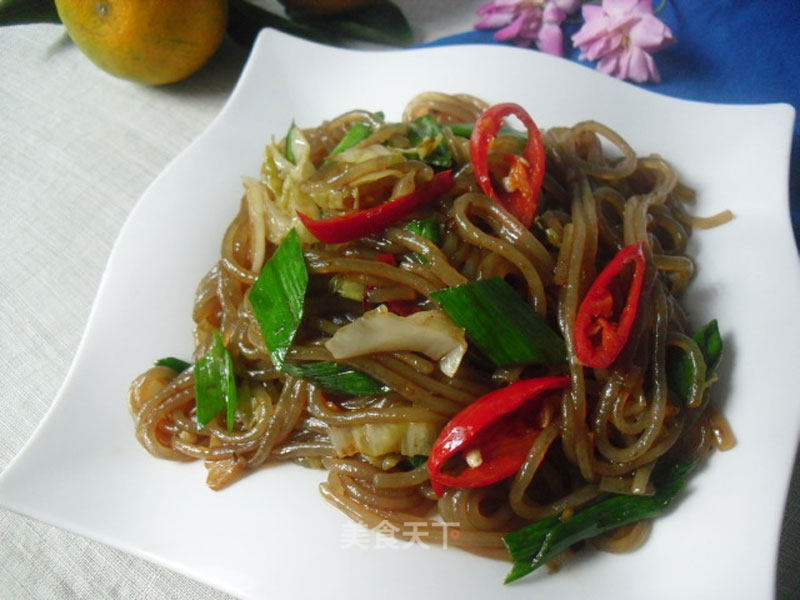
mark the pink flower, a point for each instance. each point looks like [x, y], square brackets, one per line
[622, 35]
[526, 22]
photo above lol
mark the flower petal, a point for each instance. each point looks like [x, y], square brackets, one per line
[642, 67]
[508, 6]
[652, 68]
[603, 46]
[497, 13]
[553, 14]
[494, 21]
[511, 31]
[619, 7]
[621, 22]
[591, 31]
[609, 65]
[643, 7]
[551, 39]
[568, 6]
[592, 12]
[524, 28]
[650, 33]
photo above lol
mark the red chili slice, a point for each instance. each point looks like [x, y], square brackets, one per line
[387, 258]
[526, 172]
[360, 223]
[601, 328]
[500, 425]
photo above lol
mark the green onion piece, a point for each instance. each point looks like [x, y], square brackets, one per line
[501, 324]
[291, 136]
[348, 288]
[428, 128]
[176, 364]
[679, 366]
[278, 297]
[355, 135]
[336, 378]
[417, 460]
[462, 129]
[465, 130]
[710, 342]
[427, 228]
[540, 542]
[215, 384]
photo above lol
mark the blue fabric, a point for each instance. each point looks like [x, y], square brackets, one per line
[732, 51]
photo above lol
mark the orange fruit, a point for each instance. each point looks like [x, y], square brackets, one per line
[149, 41]
[315, 8]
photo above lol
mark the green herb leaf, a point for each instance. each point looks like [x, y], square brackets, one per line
[427, 228]
[20, 12]
[176, 364]
[501, 324]
[278, 297]
[336, 378]
[215, 384]
[465, 130]
[381, 22]
[680, 371]
[462, 129]
[289, 149]
[710, 342]
[428, 128]
[540, 542]
[356, 134]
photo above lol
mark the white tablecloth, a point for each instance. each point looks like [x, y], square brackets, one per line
[77, 148]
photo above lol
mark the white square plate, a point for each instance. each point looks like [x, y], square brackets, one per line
[271, 534]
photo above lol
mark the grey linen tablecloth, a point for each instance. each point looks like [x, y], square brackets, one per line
[77, 149]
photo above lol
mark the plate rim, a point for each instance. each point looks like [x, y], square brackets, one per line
[265, 38]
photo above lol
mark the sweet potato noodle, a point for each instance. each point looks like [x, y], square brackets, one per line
[611, 425]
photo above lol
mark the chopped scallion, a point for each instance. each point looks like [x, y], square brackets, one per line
[465, 130]
[427, 228]
[540, 542]
[356, 134]
[348, 288]
[427, 136]
[501, 324]
[176, 364]
[215, 384]
[336, 378]
[278, 296]
[291, 139]
[710, 342]
[680, 370]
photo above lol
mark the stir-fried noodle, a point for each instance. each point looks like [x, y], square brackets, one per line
[605, 433]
